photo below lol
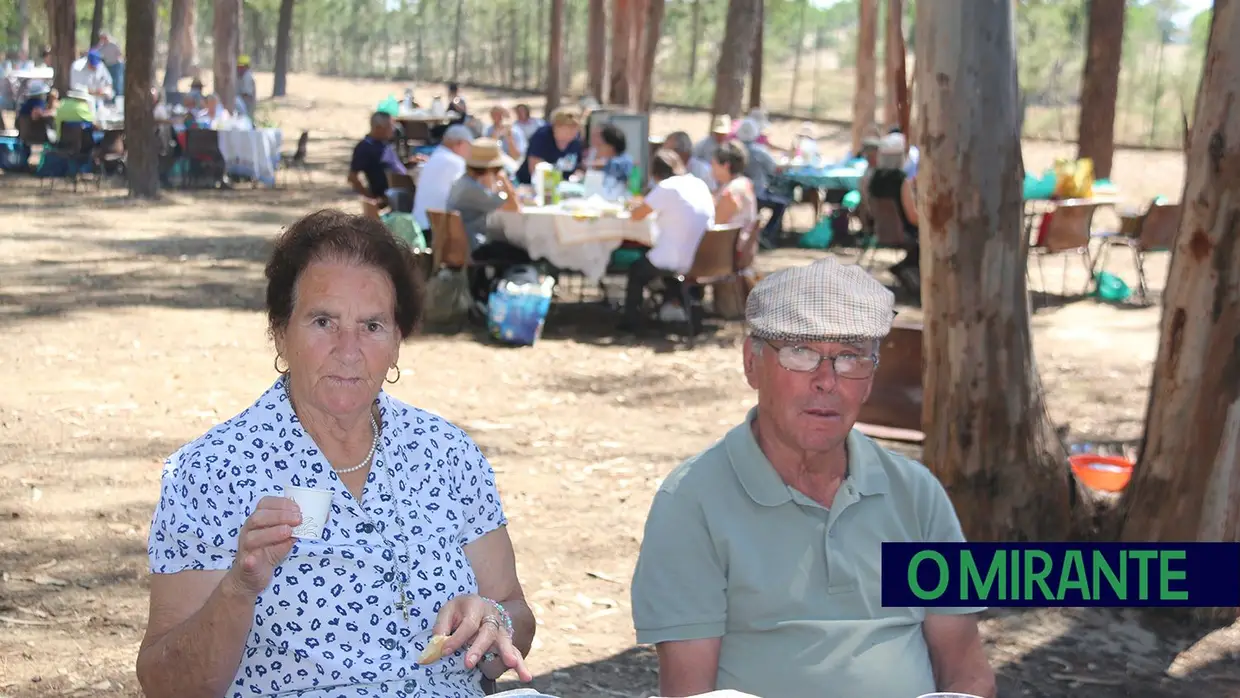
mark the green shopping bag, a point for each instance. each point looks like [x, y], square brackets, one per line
[1111, 288]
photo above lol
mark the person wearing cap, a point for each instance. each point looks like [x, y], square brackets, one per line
[89, 75]
[760, 566]
[247, 93]
[114, 60]
[373, 158]
[888, 180]
[441, 170]
[483, 190]
[760, 170]
[720, 132]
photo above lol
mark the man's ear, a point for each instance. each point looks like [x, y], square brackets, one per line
[751, 355]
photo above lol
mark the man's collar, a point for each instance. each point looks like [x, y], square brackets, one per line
[764, 485]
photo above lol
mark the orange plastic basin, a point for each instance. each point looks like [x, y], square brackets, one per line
[1109, 473]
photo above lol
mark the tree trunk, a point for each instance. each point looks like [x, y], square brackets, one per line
[1100, 85]
[189, 40]
[23, 26]
[62, 33]
[1186, 486]
[224, 61]
[864, 99]
[141, 143]
[650, 43]
[695, 26]
[621, 26]
[239, 31]
[637, 50]
[989, 438]
[895, 103]
[555, 55]
[513, 40]
[456, 40]
[796, 59]
[284, 37]
[734, 57]
[96, 23]
[755, 67]
[176, 44]
[596, 51]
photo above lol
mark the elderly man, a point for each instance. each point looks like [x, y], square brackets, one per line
[512, 140]
[759, 571]
[445, 165]
[720, 132]
[114, 60]
[89, 75]
[680, 143]
[247, 93]
[373, 158]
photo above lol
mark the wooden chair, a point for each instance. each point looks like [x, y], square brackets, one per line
[894, 408]
[1156, 232]
[202, 150]
[888, 230]
[449, 244]
[1068, 231]
[713, 262]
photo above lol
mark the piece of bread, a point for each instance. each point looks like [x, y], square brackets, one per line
[434, 650]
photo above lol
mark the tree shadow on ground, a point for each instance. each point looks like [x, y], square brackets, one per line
[631, 674]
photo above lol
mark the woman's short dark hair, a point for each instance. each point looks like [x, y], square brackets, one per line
[732, 155]
[338, 236]
[614, 137]
[665, 163]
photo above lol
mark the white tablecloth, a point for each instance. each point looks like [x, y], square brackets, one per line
[254, 154]
[553, 234]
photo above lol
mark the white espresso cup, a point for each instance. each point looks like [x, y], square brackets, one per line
[315, 505]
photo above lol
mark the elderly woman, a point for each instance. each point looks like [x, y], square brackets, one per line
[736, 204]
[558, 143]
[414, 560]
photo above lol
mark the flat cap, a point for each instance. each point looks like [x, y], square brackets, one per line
[821, 302]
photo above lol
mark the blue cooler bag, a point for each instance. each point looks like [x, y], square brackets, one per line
[518, 306]
[13, 154]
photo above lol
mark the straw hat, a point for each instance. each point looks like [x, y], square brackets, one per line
[78, 94]
[722, 125]
[484, 154]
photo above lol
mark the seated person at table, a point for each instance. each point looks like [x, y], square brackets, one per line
[445, 165]
[890, 181]
[736, 204]
[373, 158]
[195, 99]
[760, 170]
[734, 585]
[212, 113]
[414, 554]
[681, 143]
[456, 103]
[720, 133]
[512, 140]
[76, 109]
[526, 123]
[558, 143]
[616, 163]
[685, 210]
[91, 76]
[484, 189]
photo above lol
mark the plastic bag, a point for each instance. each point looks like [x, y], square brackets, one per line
[517, 308]
[405, 227]
[447, 298]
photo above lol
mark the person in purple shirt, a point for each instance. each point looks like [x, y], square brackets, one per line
[374, 157]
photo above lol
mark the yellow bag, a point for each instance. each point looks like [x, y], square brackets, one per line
[1074, 179]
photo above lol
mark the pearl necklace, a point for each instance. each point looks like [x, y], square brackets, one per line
[374, 443]
[374, 434]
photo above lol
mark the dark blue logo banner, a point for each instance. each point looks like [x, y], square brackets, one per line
[1061, 574]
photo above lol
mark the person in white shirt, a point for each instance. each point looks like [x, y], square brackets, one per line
[247, 93]
[525, 123]
[445, 165]
[685, 210]
[90, 75]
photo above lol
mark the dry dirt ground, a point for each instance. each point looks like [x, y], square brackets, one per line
[130, 329]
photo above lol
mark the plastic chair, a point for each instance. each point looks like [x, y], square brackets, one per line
[298, 158]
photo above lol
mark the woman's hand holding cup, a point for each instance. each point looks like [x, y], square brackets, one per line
[265, 540]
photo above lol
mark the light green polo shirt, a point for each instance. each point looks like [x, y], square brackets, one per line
[793, 588]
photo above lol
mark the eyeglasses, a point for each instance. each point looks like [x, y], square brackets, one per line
[804, 360]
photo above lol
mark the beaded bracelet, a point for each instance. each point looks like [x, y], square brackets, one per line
[504, 616]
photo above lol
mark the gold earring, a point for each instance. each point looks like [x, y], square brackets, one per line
[276, 364]
[393, 380]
